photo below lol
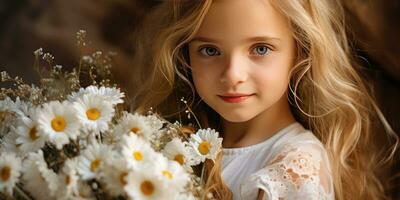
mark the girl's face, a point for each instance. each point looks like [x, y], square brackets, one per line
[241, 57]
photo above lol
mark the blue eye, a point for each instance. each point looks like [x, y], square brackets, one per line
[261, 50]
[209, 51]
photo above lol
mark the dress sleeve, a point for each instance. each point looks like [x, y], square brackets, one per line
[296, 172]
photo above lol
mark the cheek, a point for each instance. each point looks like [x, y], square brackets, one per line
[271, 82]
[205, 79]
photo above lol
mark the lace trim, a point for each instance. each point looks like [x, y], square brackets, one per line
[295, 173]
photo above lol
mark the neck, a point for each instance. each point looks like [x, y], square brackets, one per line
[259, 128]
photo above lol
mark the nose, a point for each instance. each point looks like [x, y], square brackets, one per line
[234, 71]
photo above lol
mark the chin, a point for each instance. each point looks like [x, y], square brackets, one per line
[236, 117]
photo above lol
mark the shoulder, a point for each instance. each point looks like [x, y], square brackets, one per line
[298, 140]
[299, 169]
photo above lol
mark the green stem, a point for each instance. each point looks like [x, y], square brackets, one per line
[202, 172]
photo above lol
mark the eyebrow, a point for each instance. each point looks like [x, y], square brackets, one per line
[251, 39]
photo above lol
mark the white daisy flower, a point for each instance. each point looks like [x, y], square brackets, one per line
[17, 107]
[113, 95]
[176, 150]
[29, 138]
[68, 180]
[7, 105]
[177, 178]
[134, 124]
[92, 160]
[136, 151]
[7, 115]
[37, 175]
[58, 122]
[115, 174]
[205, 144]
[10, 170]
[144, 184]
[94, 112]
[23, 108]
[8, 142]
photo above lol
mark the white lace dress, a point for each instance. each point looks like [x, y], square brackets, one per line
[292, 164]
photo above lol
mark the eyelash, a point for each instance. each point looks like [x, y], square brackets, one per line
[201, 50]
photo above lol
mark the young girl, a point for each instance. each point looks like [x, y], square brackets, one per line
[277, 80]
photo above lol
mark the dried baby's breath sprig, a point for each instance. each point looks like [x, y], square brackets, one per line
[102, 67]
[14, 87]
[4, 76]
[97, 66]
[190, 112]
[48, 58]
[81, 38]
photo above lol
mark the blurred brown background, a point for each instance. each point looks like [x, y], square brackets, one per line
[26, 25]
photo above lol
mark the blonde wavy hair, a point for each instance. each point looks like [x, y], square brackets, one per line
[326, 91]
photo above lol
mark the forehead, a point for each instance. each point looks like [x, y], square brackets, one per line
[243, 18]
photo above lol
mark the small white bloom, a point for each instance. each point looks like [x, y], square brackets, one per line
[68, 180]
[155, 122]
[29, 138]
[176, 150]
[40, 181]
[58, 122]
[136, 151]
[146, 185]
[205, 144]
[134, 124]
[94, 112]
[113, 95]
[92, 160]
[110, 138]
[10, 170]
[115, 174]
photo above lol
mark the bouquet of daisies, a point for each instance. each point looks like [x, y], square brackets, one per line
[59, 140]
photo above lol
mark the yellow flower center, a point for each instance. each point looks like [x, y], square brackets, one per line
[179, 158]
[204, 147]
[58, 123]
[122, 178]
[94, 165]
[67, 179]
[167, 174]
[5, 173]
[135, 130]
[147, 188]
[2, 115]
[138, 155]
[93, 114]
[33, 133]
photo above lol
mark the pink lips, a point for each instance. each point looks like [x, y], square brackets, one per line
[235, 97]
